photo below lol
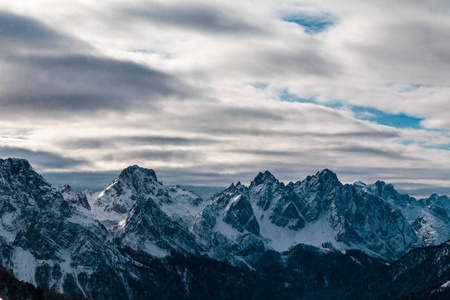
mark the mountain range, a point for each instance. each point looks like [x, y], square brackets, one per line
[139, 239]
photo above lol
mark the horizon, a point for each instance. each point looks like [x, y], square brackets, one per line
[209, 92]
[206, 191]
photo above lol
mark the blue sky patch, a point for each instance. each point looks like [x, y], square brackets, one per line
[285, 95]
[382, 118]
[362, 113]
[442, 147]
[424, 145]
[311, 24]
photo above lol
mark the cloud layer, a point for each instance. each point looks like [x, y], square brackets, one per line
[198, 91]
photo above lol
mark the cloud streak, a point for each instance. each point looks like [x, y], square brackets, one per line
[195, 90]
[203, 17]
[49, 72]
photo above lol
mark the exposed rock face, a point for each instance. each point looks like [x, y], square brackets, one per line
[138, 237]
[71, 242]
[318, 210]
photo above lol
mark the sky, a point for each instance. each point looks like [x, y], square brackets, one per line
[211, 92]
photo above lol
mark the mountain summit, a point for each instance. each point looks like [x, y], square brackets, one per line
[136, 236]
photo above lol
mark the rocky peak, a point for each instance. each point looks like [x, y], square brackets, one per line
[16, 164]
[381, 187]
[134, 171]
[266, 190]
[17, 174]
[323, 183]
[444, 201]
[21, 186]
[328, 176]
[74, 197]
[237, 188]
[262, 178]
[388, 192]
[137, 178]
[65, 188]
[121, 194]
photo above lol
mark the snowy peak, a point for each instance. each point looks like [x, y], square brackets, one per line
[63, 238]
[17, 174]
[23, 190]
[388, 192]
[324, 179]
[77, 198]
[138, 179]
[327, 175]
[314, 211]
[263, 178]
[381, 189]
[121, 194]
[266, 191]
[134, 172]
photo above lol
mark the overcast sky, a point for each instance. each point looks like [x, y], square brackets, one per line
[210, 92]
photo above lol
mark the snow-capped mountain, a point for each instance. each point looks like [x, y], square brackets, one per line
[138, 237]
[317, 211]
[429, 217]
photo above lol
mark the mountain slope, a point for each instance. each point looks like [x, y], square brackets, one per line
[423, 273]
[315, 238]
[12, 288]
[318, 211]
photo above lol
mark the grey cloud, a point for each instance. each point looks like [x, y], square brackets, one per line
[372, 135]
[117, 141]
[96, 181]
[310, 62]
[373, 152]
[411, 50]
[87, 143]
[288, 60]
[263, 153]
[82, 82]
[164, 140]
[154, 155]
[204, 191]
[42, 159]
[391, 175]
[48, 78]
[18, 31]
[372, 174]
[202, 17]
[201, 176]
[420, 190]
[251, 113]
[292, 133]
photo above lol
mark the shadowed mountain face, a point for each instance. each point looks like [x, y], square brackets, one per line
[312, 239]
[12, 288]
[423, 273]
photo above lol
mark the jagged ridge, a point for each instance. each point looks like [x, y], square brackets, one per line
[67, 241]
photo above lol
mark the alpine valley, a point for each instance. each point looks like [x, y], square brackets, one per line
[139, 239]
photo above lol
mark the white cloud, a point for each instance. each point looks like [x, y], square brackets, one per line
[171, 86]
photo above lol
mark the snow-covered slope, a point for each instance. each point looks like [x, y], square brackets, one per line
[122, 240]
[429, 217]
[65, 241]
[317, 211]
